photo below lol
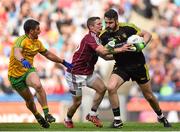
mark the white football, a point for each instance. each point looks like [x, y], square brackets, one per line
[135, 39]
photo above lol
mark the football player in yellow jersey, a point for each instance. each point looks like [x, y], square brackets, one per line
[22, 74]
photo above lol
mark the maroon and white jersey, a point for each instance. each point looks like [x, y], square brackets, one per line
[85, 56]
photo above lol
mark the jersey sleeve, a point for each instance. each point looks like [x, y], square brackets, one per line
[138, 30]
[19, 42]
[134, 29]
[42, 49]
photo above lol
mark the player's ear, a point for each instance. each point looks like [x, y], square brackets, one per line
[91, 27]
[31, 31]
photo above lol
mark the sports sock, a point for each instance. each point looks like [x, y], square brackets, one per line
[45, 110]
[93, 112]
[37, 115]
[159, 114]
[68, 118]
[116, 113]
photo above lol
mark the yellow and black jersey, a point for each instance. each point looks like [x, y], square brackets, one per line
[121, 35]
[29, 49]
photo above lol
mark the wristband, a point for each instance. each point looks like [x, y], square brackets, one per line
[22, 59]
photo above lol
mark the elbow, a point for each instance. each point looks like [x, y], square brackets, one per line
[149, 38]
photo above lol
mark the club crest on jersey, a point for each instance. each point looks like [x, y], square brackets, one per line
[118, 38]
[124, 35]
[34, 47]
[31, 46]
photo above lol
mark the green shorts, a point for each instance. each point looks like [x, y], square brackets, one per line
[19, 83]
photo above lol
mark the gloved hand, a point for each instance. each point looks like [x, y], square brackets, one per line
[139, 46]
[25, 63]
[67, 64]
[110, 45]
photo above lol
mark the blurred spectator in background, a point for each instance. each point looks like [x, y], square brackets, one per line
[62, 24]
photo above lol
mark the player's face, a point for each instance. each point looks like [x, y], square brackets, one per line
[110, 24]
[35, 32]
[97, 27]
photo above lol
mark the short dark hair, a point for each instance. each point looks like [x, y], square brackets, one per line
[91, 21]
[111, 14]
[30, 24]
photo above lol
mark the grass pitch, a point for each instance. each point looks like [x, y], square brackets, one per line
[128, 126]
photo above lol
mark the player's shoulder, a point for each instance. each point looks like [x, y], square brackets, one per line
[87, 37]
[128, 25]
[103, 32]
[123, 24]
[90, 36]
[21, 38]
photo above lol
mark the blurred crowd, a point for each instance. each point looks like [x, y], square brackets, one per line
[63, 24]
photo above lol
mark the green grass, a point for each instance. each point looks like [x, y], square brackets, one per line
[128, 126]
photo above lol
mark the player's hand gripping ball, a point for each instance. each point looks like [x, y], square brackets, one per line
[137, 42]
[110, 45]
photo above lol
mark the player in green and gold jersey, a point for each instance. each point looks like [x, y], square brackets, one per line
[22, 74]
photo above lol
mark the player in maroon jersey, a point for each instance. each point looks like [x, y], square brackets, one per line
[81, 75]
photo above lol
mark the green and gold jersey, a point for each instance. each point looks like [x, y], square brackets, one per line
[29, 49]
[121, 35]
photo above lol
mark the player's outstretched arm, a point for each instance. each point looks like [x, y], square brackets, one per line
[109, 49]
[51, 56]
[124, 48]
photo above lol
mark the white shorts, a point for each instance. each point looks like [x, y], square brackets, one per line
[77, 82]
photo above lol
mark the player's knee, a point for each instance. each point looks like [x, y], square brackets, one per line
[102, 90]
[38, 87]
[111, 89]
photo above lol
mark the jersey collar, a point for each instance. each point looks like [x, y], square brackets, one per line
[93, 33]
[30, 38]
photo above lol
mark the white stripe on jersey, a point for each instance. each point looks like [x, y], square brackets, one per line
[98, 41]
